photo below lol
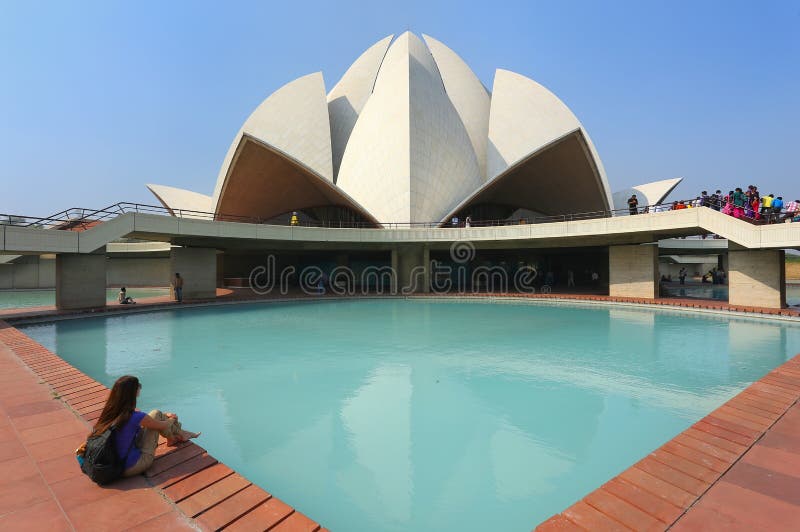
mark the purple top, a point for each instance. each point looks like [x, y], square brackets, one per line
[125, 438]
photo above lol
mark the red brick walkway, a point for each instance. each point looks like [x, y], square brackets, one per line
[736, 469]
[46, 409]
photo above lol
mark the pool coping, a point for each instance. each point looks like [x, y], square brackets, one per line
[228, 297]
[203, 489]
[656, 492]
[668, 485]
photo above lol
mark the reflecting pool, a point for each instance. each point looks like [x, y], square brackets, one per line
[425, 415]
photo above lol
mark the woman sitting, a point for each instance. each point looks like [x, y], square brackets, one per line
[137, 432]
[123, 297]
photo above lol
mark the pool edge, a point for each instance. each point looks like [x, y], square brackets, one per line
[602, 508]
[185, 475]
[666, 487]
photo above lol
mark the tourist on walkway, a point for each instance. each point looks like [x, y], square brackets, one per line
[123, 297]
[468, 221]
[136, 432]
[777, 207]
[716, 200]
[294, 220]
[178, 287]
[739, 199]
[633, 203]
[570, 278]
[766, 207]
[754, 207]
[749, 212]
[727, 203]
[682, 275]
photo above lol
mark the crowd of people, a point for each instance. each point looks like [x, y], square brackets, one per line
[749, 204]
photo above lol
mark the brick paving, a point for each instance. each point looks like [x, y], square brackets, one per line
[46, 410]
[737, 468]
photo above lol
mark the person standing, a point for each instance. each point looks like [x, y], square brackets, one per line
[178, 286]
[570, 278]
[294, 220]
[766, 206]
[716, 200]
[468, 221]
[633, 203]
[777, 207]
[682, 275]
[739, 200]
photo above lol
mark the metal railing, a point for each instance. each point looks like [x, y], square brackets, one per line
[77, 218]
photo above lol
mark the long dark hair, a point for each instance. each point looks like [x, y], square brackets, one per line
[120, 404]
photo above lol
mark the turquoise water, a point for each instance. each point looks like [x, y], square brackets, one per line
[418, 415]
[45, 298]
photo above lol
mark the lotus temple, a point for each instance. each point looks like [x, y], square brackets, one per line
[405, 156]
[408, 302]
[409, 135]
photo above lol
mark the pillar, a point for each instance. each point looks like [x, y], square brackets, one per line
[220, 270]
[411, 264]
[633, 271]
[757, 278]
[198, 267]
[81, 280]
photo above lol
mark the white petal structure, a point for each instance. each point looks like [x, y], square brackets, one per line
[409, 158]
[469, 96]
[647, 194]
[524, 118]
[409, 134]
[177, 200]
[281, 158]
[347, 98]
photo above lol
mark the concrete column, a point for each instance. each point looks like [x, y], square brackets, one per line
[198, 267]
[81, 280]
[220, 270]
[633, 271]
[411, 264]
[757, 278]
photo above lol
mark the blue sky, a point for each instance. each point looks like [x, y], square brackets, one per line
[99, 98]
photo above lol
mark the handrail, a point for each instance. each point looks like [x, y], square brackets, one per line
[78, 216]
